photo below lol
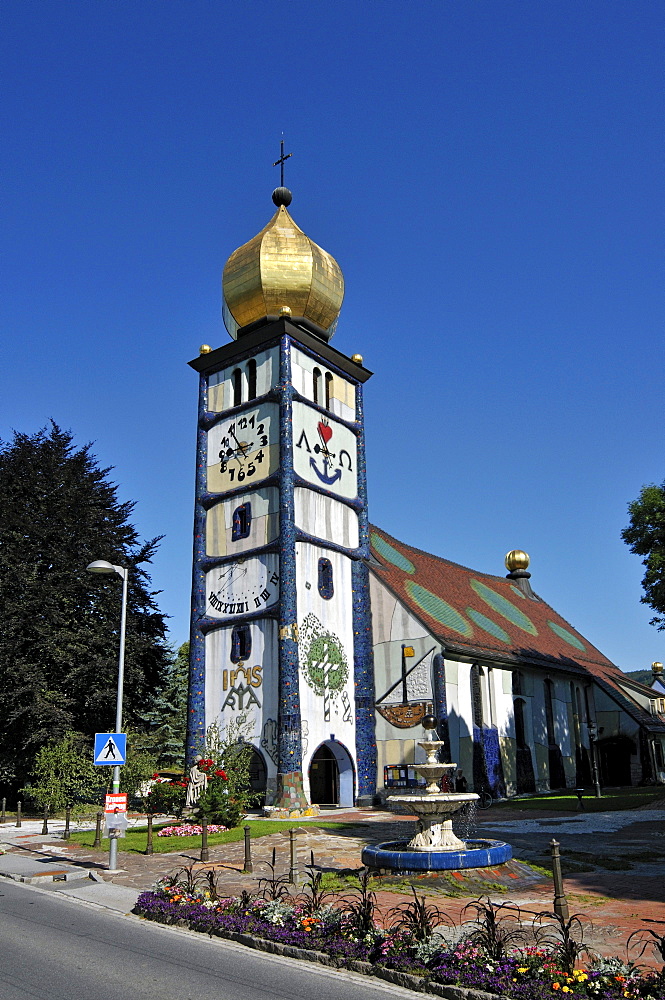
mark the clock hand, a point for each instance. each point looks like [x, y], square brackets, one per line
[241, 447]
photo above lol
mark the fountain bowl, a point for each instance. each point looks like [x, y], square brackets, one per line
[398, 857]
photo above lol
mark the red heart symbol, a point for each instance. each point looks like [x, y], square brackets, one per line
[325, 430]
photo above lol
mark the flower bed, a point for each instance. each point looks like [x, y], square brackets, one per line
[417, 941]
[189, 830]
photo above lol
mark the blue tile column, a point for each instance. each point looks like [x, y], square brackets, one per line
[289, 726]
[363, 650]
[440, 703]
[196, 696]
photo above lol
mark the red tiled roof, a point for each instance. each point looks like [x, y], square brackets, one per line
[477, 614]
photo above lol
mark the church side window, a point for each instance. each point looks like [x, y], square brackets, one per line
[519, 705]
[242, 522]
[326, 589]
[549, 710]
[237, 387]
[318, 384]
[476, 696]
[241, 643]
[251, 379]
[329, 382]
[518, 682]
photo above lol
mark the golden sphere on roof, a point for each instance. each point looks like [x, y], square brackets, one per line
[656, 668]
[357, 359]
[205, 349]
[516, 559]
[281, 268]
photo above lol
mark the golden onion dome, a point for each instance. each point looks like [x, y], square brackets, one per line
[516, 559]
[656, 668]
[281, 272]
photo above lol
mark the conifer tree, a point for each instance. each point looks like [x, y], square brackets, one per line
[167, 717]
[60, 624]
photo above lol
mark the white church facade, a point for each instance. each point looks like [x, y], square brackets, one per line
[327, 636]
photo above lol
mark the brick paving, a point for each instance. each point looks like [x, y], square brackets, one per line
[617, 900]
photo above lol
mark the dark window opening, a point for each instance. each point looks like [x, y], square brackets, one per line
[658, 750]
[237, 387]
[476, 696]
[316, 374]
[520, 729]
[325, 578]
[241, 643]
[242, 522]
[549, 710]
[251, 379]
[329, 381]
[518, 682]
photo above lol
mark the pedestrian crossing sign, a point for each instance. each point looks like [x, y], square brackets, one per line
[110, 748]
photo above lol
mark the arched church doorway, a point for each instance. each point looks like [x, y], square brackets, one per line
[331, 775]
[258, 777]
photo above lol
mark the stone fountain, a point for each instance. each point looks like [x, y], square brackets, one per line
[434, 847]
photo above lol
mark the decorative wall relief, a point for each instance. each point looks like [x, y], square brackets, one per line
[323, 663]
[269, 740]
[241, 683]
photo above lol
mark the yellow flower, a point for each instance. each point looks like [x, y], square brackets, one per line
[523, 969]
[566, 989]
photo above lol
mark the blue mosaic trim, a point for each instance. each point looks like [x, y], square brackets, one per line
[397, 857]
[289, 721]
[487, 763]
[196, 723]
[363, 644]
[363, 676]
[441, 703]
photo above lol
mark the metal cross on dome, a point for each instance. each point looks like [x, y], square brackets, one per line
[281, 161]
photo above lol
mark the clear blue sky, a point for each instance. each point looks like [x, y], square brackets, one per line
[489, 177]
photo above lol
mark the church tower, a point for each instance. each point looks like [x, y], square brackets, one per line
[281, 627]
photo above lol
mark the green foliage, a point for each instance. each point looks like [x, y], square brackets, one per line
[167, 716]
[225, 758]
[142, 753]
[645, 536]
[166, 797]
[64, 774]
[59, 636]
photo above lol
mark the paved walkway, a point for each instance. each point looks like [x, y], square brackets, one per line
[614, 865]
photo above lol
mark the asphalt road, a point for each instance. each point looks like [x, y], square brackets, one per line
[54, 948]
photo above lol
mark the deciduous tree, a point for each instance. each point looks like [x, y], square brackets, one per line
[645, 535]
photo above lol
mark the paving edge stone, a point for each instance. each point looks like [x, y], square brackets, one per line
[404, 979]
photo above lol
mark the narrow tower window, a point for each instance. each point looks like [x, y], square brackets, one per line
[329, 382]
[549, 710]
[237, 387]
[317, 378]
[251, 379]
[242, 522]
[326, 589]
[241, 643]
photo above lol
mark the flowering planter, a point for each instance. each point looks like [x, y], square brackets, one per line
[462, 972]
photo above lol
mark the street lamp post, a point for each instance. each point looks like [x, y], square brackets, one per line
[103, 567]
[593, 735]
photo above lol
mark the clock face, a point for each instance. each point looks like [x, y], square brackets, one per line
[325, 452]
[243, 586]
[243, 449]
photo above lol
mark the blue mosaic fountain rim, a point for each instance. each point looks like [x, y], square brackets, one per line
[396, 856]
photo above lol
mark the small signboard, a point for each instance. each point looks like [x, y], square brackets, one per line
[116, 802]
[110, 749]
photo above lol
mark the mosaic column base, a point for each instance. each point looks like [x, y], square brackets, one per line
[290, 800]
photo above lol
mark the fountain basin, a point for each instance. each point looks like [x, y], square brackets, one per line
[396, 856]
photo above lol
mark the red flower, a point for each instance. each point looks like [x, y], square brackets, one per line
[221, 774]
[155, 775]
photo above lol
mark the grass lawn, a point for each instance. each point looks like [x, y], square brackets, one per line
[614, 798]
[135, 841]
